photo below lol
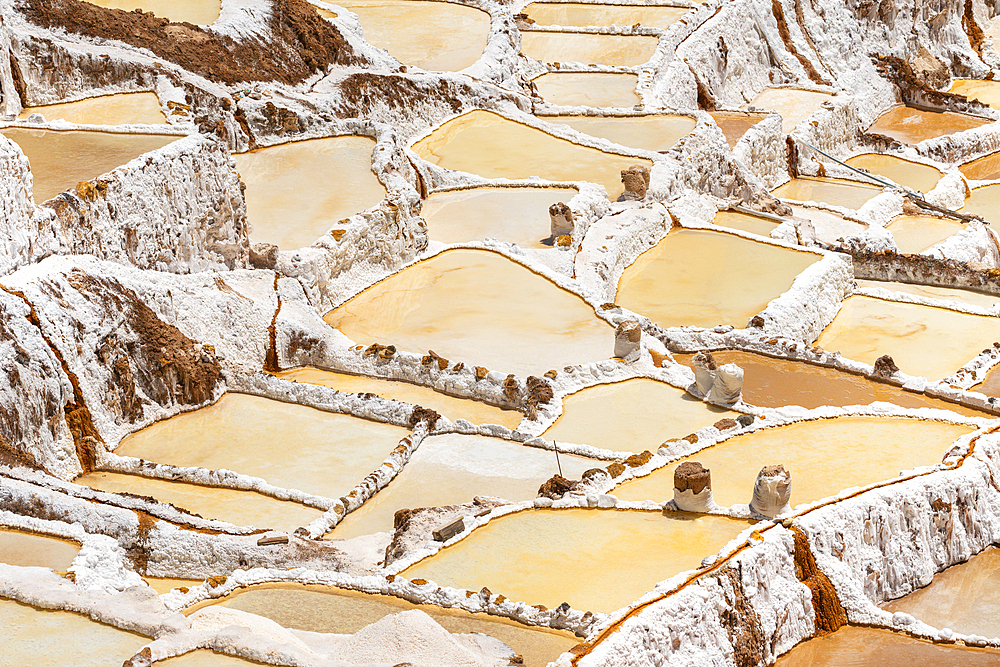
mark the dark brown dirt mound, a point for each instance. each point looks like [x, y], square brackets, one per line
[301, 43]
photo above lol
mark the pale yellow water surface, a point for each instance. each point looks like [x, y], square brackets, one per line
[452, 469]
[60, 160]
[870, 647]
[516, 215]
[652, 133]
[985, 202]
[484, 143]
[199, 12]
[240, 508]
[43, 638]
[451, 407]
[916, 176]
[734, 124]
[631, 416]
[289, 445]
[131, 108]
[986, 168]
[424, 34]
[205, 658]
[597, 560]
[575, 14]
[920, 339]
[990, 384]
[961, 598]
[824, 457]
[33, 550]
[793, 105]
[701, 278]
[336, 611]
[755, 224]
[935, 292]
[588, 48]
[480, 308]
[828, 191]
[916, 233]
[166, 584]
[987, 92]
[911, 126]
[589, 89]
[296, 192]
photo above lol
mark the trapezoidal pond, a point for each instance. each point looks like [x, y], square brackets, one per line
[204, 658]
[652, 133]
[424, 34]
[126, 108]
[587, 48]
[589, 89]
[575, 14]
[916, 176]
[340, 611]
[916, 233]
[987, 92]
[579, 556]
[837, 192]
[451, 407]
[984, 202]
[453, 469]
[853, 646]
[515, 215]
[823, 456]
[633, 415]
[911, 126]
[62, 159]
[746, 222]
[484, 143]
[986, 168]
[451, 304]
[297, 191]
[793, 104]
[968, 296]
[199, 12]
[700, 278]
[33, 550]
[920, 339]
[734, 124]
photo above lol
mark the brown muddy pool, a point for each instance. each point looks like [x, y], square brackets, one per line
[916, 176]
[651, 133]
[853, 646]
[589, 89]
[130, 108]
[911, 126]
[827, 191]
[33, 550]
[588, 48]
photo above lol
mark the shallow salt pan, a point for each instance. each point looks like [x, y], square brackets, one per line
[61, 160]
[516, 215]
[984, 202]
[631, 416]
[130, 108]
[990, 384]
[916, 233]
[869, 647]
[485, 143]
[916, 176]
[43, 638]
[920, 339]
[453, 469]
[199, 12]
[911, 126]
[596, 560]
[651, 133]
[734, 124]
[32, 550]
[563, 47]
[828, 191]
[166, 584]
[205, 658]
[296, 192]
[423, 34]
[934, 292]
[701, 278]
[336, 611]
[983, 169]
[479, 308]
[824, 457]
[574, 14]
[590, 89]
[987, 92]
[451, 407]
[794, 105]
[755, 224]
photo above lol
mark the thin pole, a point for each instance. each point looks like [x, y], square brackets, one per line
[556, 448]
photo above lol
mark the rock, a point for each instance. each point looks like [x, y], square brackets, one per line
[757, 322]
[556, 487]
[615, 469]
[692, 476]
[745, 420]
[263, 255]
[560, 221]
[446, 532]
[637, 460]
[725, 424]
[885, 367]
[627, 339]
[636, 180]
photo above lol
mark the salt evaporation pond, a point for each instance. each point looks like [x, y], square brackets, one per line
[587, 48]
[240, 508]
[853, 646]
[451, 407]
[990, 384]
[291, 446]
[734, 124]
[39, 638]
[824, 457]
[916, 176]
[199, 12]
[205, 658]
[125, 108]
[480, 308]
[986, 168]
[424, 34]
[828, 191]
[297, 191]
[968, 296]
[452, 469]
[701, 278]
[911, 126]
[337, 611]
[633, 415]
[651, 133]
[61, 160]
[772, 383]
[984, 202]
[755, 224]
[575, 14]
[920, 339]
[485, 143]
[596, 560]
[793, 104]
[916, 233]
[589, 89]
[987, 92]
[166, 584]
[515, 215]
[33, 550]
[961, 598]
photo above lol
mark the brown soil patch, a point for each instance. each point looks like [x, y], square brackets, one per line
[830, 615]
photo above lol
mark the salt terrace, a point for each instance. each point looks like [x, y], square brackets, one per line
[482, 333]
